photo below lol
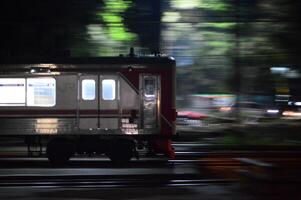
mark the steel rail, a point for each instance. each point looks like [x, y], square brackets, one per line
[111, 183]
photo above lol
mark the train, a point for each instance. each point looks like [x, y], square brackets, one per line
[105, 105]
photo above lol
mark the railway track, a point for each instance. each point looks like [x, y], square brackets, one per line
[211, 166]
[109, 181]
[182, 158]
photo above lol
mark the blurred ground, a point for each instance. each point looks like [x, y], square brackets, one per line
[207, 191]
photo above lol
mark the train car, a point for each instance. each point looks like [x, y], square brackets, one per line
[106, 105]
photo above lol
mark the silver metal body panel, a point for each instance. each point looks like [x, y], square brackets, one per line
[73, 115]
[37, 126]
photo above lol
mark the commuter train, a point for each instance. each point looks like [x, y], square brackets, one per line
[105, 105]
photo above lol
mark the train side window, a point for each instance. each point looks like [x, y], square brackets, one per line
[88, 89]
[41, 92]
[108, 89]
[12, 91]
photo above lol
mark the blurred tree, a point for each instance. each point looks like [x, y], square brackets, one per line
[253, 35]
[200, 35]
[207, 37]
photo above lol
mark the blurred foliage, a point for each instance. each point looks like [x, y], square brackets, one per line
[208, 38]
[215, 5]
[108, 36]
[201, 44]
[112, 16]
[254, 35]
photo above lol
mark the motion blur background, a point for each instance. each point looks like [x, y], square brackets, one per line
[226, 50]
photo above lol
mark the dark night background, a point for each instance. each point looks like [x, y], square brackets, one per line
[216, 43]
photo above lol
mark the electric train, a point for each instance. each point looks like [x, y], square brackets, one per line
[105, 105]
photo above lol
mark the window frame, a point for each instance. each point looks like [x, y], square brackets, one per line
[26, 97]
[82, 89]
[113, 91]
[55, 92]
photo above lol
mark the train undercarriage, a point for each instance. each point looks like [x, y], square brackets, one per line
[120, 150]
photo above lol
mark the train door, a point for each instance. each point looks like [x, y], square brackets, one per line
[88, 103]
[109, 112]
[98, 102]
[150, 96]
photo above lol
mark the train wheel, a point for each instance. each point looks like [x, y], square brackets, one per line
[59, 150]
[121, 151]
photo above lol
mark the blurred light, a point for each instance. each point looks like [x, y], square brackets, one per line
[291, 114]
[273, 111]
[292, 74]
[283, 95]
[279, 70]
[298, 103]
[280, 100]
[225, 109]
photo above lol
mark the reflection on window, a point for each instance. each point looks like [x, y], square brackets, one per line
[108, 89]
[12, 91]
[41, 92]
[88, 89]
[149, 85]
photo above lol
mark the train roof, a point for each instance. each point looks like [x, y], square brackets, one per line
[93, 60]
[95, 63]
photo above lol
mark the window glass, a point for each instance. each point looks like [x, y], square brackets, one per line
[12, 91]
[41, 92]
[88, 89]
[149, 85]
[108, 89]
